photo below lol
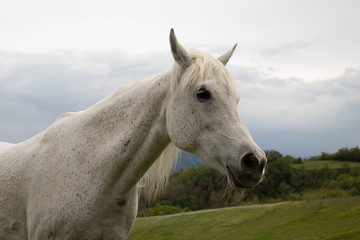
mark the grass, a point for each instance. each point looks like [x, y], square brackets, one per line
[309, 164]
[317, 219]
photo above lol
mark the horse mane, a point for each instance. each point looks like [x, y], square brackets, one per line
[156, 178]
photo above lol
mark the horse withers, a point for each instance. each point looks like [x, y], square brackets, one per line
[78, 179]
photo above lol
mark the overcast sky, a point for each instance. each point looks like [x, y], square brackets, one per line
[297, 64]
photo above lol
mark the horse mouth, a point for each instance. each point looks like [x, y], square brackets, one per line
[235, 182]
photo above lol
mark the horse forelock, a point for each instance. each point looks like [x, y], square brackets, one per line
[196, 74]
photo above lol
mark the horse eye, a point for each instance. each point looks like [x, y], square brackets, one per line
[203, 94]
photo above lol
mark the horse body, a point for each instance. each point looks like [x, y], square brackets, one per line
[4, 145]
[80, 174]
[78, 178]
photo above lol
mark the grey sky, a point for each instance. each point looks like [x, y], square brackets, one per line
[296, 66]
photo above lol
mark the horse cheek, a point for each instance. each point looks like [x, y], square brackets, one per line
[183, 129]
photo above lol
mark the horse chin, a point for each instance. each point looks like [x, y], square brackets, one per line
[241, 181]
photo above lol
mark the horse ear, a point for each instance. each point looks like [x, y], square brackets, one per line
[179, 53]
[225, 58]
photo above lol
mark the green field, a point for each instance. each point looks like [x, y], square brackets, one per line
[308, 164]
[318, 219]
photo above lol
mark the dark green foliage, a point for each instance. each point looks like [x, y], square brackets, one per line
[282, 180]
[195, 189]
[158, 210]
[343, 154]
[204, 188]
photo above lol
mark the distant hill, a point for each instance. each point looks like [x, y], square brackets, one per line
[187, 160]
[313, 164]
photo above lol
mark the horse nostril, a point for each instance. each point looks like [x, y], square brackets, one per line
[250, 163]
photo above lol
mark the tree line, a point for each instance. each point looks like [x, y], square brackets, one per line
[343, 154]
[205, 188]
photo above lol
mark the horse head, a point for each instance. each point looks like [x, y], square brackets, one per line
[202, 116]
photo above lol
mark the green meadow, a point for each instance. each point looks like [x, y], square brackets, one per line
[312, 164]
[337, 218]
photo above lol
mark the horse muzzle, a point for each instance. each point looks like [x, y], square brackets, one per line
[248, 173]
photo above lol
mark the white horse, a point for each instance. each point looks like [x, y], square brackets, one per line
[78, 178]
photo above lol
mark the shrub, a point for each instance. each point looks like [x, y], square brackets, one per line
[162, 210]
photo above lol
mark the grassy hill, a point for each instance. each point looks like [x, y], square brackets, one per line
[311, 164]
[318, 219]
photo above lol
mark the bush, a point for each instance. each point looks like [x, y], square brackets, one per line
[347, 182]
[205, 188]
[162, 210]
[343, 154]
[337, 193]
[296, 197]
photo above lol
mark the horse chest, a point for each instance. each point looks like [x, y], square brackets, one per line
[112, 218]
[118, 219]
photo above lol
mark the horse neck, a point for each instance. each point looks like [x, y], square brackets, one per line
[129, 129]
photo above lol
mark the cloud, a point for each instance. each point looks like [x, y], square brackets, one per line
[35, 88]
[299, 117]
[285, 51]
[287, 114]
